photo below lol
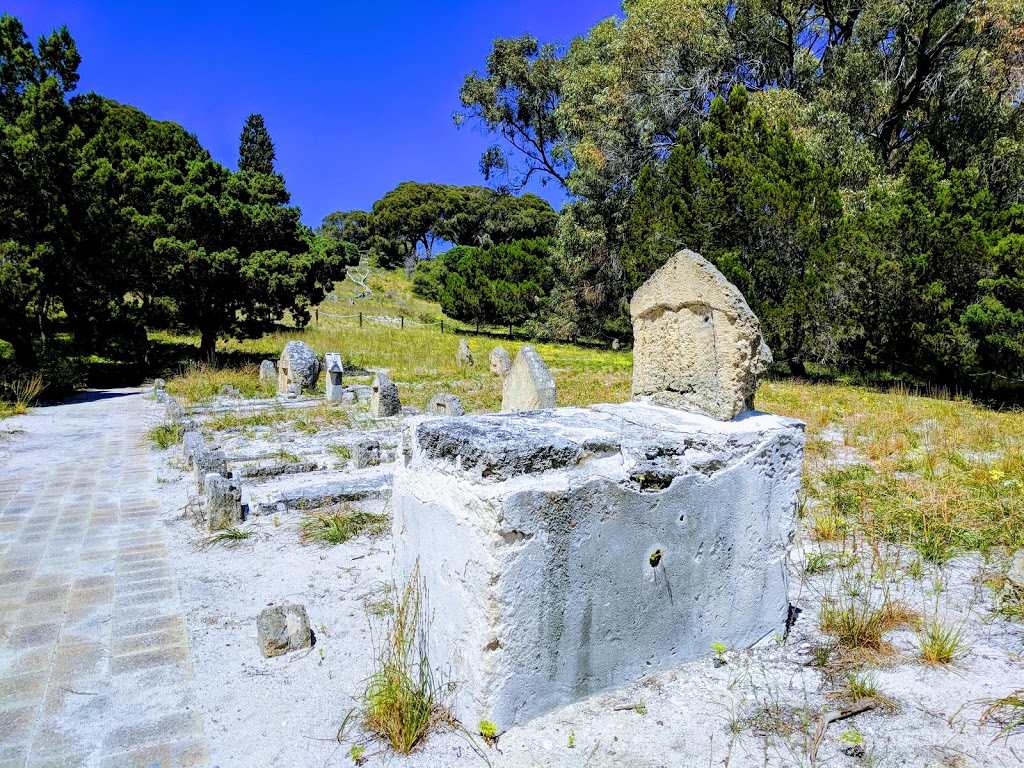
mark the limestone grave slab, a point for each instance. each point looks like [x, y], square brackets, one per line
[299, 368]
[444, 404]
[223, 502]
[384, 401]
[463, 356]
[575, 551]
[334, 392]
[529, 385]
[208, 461]
[500, 361]
[696, 343]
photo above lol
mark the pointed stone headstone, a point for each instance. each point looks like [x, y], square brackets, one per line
[696, 344]
[333, 388]
[529, 385]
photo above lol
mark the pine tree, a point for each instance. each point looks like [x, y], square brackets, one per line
[256, 151]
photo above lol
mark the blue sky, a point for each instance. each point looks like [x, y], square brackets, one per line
[357, 96]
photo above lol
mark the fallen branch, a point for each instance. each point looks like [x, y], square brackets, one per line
[639, 707]
[832, 717]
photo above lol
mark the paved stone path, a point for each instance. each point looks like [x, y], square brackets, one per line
[95, 667]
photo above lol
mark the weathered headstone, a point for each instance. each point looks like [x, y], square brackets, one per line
[230, 391]
[205, 462]
[443, 404]
[500, 361]
[192, 443]
[334, 390]
[366, 453]
[159, 384]
[529, 385]
[384, 401]
[615, 345]
[268, 370]
[283, 628]
[696, 344]
[223, 502]
[299, 368]
[463, 356]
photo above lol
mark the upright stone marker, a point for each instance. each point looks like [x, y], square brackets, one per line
[463, 356]
[696, 344]
[384, 401]
[205, 462]
[529, 385]
[443, 404]
[334, 368]
[500, 361]
[299, 368]
[223, 502]
[268, 370]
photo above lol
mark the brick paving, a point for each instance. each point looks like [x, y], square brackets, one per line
[95, 666]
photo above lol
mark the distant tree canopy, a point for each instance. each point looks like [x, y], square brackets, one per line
[256, 149]
[505, 284]
[111, 222]
[409, 220]
[857, 170]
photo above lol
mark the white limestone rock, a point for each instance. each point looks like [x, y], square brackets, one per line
[575, 551]
[299, 368]
[443, 404]
[529, 385]
[500, 361]
[696, 343]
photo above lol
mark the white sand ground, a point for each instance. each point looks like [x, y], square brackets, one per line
[759, 709]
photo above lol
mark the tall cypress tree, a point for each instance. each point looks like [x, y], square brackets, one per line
[256, 151]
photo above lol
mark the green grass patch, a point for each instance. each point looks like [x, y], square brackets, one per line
[340, 525]
[165, 435]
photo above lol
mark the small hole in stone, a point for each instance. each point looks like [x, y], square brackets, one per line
[656, 558]
[682, 518]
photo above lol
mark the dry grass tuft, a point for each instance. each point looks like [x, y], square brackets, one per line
[339, 525]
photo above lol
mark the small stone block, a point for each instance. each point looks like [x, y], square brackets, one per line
[205, 462]
[384, 401]
[463, 356]
[500, 361]
[282, 629]
[268, 370]
[366, 453]
[443, 404]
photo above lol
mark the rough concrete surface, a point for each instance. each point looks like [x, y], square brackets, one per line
[696, 343]
[573, 551]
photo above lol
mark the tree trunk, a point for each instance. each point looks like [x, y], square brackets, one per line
[208, 346]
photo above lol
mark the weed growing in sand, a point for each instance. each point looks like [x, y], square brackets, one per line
[339, 525]
[860, 621]
[1007, 711]
[232, 420]
[201, 381]
[941, 642]
[343, 452]
[488, 730]
[229, 537]
[165, 435]
[402, 702]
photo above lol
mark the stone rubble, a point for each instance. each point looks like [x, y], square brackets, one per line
[282, 629]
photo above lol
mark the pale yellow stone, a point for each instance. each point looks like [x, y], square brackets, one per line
[696, 343]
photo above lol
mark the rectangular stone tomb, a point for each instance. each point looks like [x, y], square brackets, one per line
[574, 551]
